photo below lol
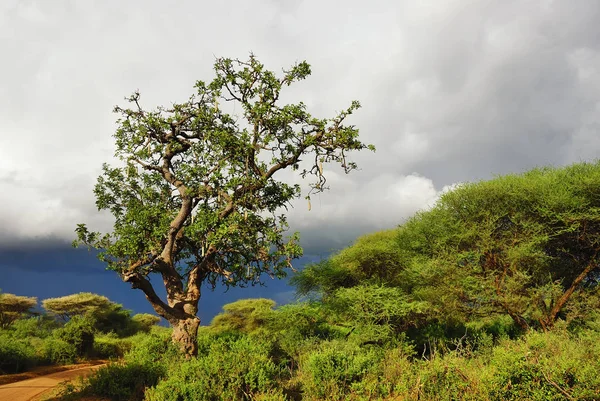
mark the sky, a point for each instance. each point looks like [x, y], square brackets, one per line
[452, 91]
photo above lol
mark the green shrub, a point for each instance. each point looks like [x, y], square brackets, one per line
[107, 348]
[15, 355]
[546, 366]
[38, 326]
[151, 348]
[123, 381]
[79, 332]
[59, 352]
[144, 322]
[336, 367]
[232, 369]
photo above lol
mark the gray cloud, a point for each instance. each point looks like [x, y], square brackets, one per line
[452, 91]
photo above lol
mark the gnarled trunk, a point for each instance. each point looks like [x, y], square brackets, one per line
[184, 335]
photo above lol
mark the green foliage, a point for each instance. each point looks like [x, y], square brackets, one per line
[322, 278]
[110, 347]
[123, 382]
[196, 201]
[218, 164]
[523, 240]
[379, 308]
[144, 321]
[79, 332]
[335, 368]
[231, 369]
[151, 348]
[59, 352]
[244, 315]
[15, 355]
[13, 307]
[107, 316]
[37, 326]
[373, 258]
[83, 303]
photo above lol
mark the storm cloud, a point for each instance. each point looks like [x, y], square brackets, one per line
[452, 91]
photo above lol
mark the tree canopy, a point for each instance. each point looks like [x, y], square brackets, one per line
[196, 198]
[13, 307]
[525, 245]
[77, 304]
[245, 315]
[105, 315]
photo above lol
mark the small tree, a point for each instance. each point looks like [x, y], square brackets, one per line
[13, 307]
[244, 315]
[83, 303]
[105, 314]
[145, 321]
[196, 198]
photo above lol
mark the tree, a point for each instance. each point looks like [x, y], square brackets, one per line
[244, 315]
[105, 314]
[13, 307]
[373, 258]
[79, 304]
[519, 244]
[145, 321]
[196, 197]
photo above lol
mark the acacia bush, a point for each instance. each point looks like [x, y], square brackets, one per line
[79, 332]
[231, 369]
[58, 352]
[38, 326]
[337, 368]
[15, 355]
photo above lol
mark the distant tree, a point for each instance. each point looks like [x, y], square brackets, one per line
[76, 305]
[145, 321]
[13, 307]
[244, 315]
[373, 258]
[196, 197]
[105, 314]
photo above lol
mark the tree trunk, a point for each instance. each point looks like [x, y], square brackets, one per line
[561, 302]
[184, 335]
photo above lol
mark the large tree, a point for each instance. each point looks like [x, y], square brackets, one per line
[197, 195]
[526, 245]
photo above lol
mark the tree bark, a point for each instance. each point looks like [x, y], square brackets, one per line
[184, 334]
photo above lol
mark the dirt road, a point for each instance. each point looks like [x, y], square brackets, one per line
[34, 389]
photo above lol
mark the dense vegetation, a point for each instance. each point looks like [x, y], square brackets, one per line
[490, 295]
[75, 328]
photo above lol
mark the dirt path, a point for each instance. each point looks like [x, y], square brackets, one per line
[33, 389]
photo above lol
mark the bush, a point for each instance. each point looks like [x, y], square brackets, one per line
[106, 347]
[59, 352]
[79, 332]
[144, 322]
[152, 348]
[336, 367]
[546, 366]
[123, 381]
[232, 369]
[39, 326]
[15, 355]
